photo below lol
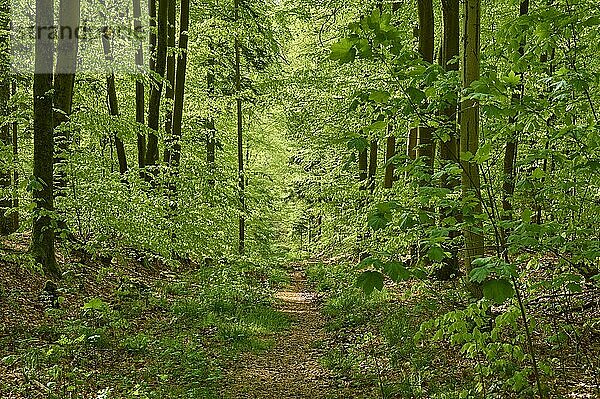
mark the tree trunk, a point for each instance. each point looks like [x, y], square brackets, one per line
[240, 137]
[139, 86]
[374, 147]
[449, 150]
[6, 219]
[363, 167]
[64, 83]
[411, 145]
[15, 178]
[390, 152]
[170, 90]
[510, 153]
[469, 136]
[180, 82]
[152, 37]
[157, 84]
[42, 239]
[112, 100]
[211, 139]
[425, 144]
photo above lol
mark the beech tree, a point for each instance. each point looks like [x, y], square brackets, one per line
[7, 220]
[139, 84]
[64, 84]
[160, 64]
[240, 133]
[469, 135]
[180, 79]
[44, 223]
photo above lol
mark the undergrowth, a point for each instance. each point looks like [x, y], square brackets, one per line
[123, 331]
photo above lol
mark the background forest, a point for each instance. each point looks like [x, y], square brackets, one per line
[429, 167]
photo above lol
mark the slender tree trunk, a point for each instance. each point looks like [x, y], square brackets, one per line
[170, 90]
[390, 152]
[157, 85]
[469, 136]
[15, 178]
[374, 148]
[152, 34]
[449, 150]
[510, 153]
[411, 145]
[7, 225]
[363, 167]
[112, 99]
[425, 144]
[64, 83]
[42, 240]
[139, 86]
[240, 136]
[211, 139]
[180, 82]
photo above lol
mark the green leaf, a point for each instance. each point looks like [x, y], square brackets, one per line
[378, 220]
[538, 173]
[407, 221]
[379, 96]
[592, 21]
[364, 49]
[343, 51]
[397, 271]
[358, 143]
[416, 96]
[498, 290]
[436, 254]
[466, 156]
[512, 79]
[377, 126]
[483, 153]
[479, 274]
[95, 304]
[370, 280]
[526, 215]
[574, 287]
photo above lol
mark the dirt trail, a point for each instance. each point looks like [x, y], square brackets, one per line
[291, 368]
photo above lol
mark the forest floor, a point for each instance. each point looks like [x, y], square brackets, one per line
[291, 367]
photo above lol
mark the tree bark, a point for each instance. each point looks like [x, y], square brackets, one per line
[170, 90]
[211, 139]
[157, 84]
[425, 144]
[64, 83]
[112, 99]
[139, 87]
[363, 167]
[374, 148]
[510, 153]
[15, 179]
[7, 225]
[449, 150]
[180, 82]
[469, 136]
[240, 136]
[390, 152]
[42, 239]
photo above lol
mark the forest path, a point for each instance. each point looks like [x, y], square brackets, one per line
[290, 369]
